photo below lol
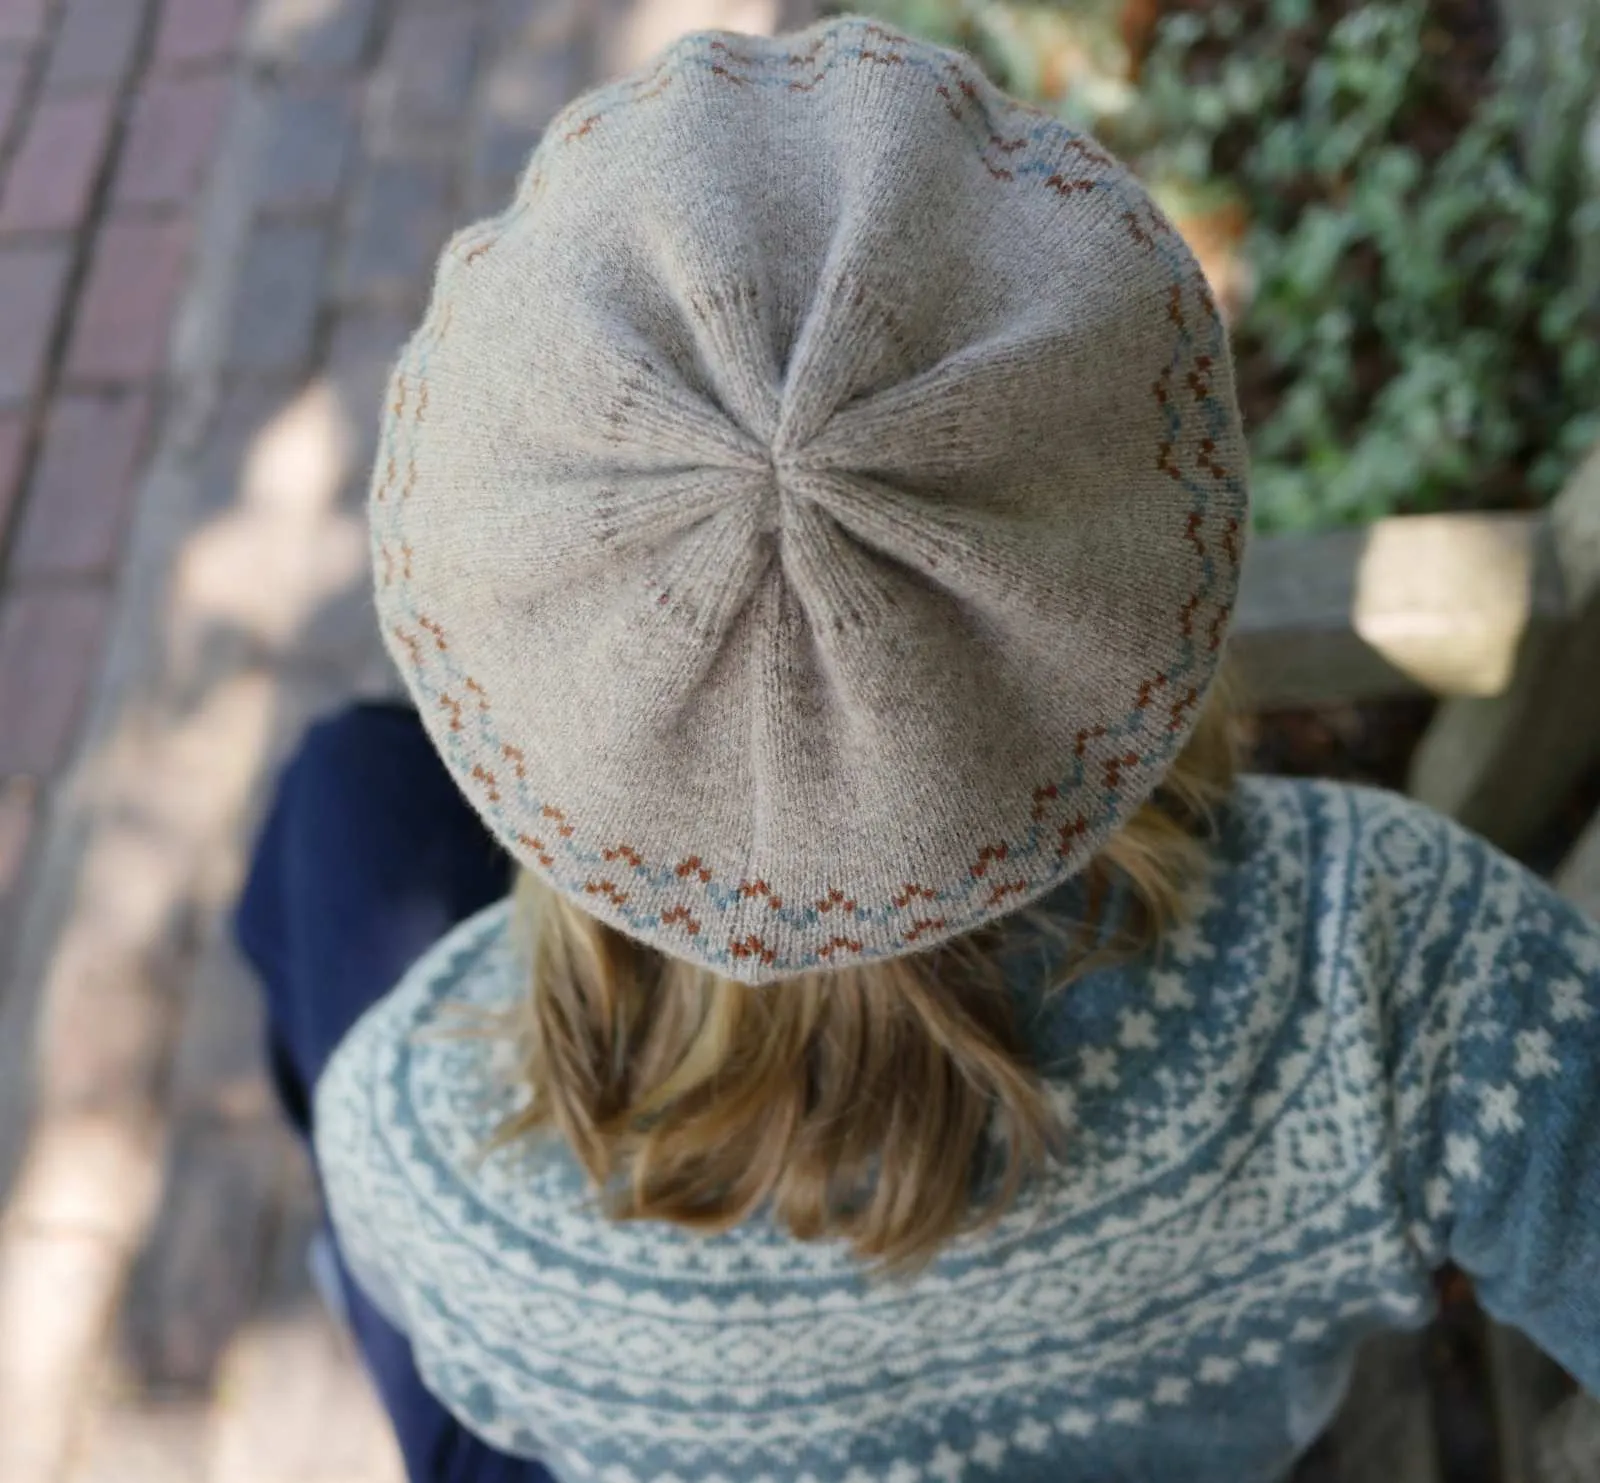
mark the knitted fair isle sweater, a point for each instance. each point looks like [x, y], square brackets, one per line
[1375, 1049]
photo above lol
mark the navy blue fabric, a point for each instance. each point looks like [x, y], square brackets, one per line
[369, 855]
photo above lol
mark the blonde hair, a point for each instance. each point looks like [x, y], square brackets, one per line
[866, 1103]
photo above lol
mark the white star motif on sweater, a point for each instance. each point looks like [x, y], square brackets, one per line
[1568, 1002]
[1100, 1069]
[1173, 1391]
[947, 1466]
[1534, 1054]
[1170, 990]
[1461, 1156]
[1138, 1030]
[1497, 1112]
[1032, 1435]
[1075, 1423]
[1215, 1370]
[988, 1451]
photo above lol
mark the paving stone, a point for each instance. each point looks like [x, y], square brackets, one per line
[428, 66]
[313, 35]
[13, 444]
[13, 77]
[24, 20]
[310, 137]
[245, 408]
[19, 809]
[196, 1281]
[280, 291]
[365, 344]
[84, 486]
[520, 96]
[96, 42]
[528, 27]
[58, 1290]
[401, 220]
[219, 1074]
[136, 1438]
[198, 31]
[53, 174]
[31, 282]
[49, 651]
[171, 138]
[125, 314]
[300, 1406]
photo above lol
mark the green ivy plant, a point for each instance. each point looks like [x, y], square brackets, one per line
[1423, 331]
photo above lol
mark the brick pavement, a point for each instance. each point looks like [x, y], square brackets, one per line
[218, 219]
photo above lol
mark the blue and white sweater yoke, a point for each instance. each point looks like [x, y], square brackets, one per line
[1373, 1049]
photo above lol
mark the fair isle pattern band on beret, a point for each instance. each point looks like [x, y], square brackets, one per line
[808, 518]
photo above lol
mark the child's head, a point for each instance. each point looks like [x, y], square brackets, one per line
[808, 520]
[853, 1102]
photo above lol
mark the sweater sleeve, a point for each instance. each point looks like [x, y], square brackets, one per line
[1495, 1044]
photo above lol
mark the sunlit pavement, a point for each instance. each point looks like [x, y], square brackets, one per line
[156, 1318]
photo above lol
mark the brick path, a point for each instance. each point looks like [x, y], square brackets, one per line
[217, 223]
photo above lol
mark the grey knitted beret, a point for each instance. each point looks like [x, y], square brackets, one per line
[808, 517]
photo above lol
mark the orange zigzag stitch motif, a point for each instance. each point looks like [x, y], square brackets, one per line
[527, 841]
[559, 819]
[921, 927]
[692, 866]
[622, 852]
[608, 889]
[413, 647]
[836, 897]
[1042, 798]
[910, 892]
[1071, 832]
[435, 629]
[515, 757]
[1230, 539]
[1214, 640]
[1181, 708]
[1147, 689]
[760, 888]
[673, 915]
[1011, 888]
[1208, 446]
[1114, 767]
[751, 947]
[490, 782]
[388, 481]
[839, 945]
[987, 856]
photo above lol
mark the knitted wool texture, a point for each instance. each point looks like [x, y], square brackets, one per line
[808, 518]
